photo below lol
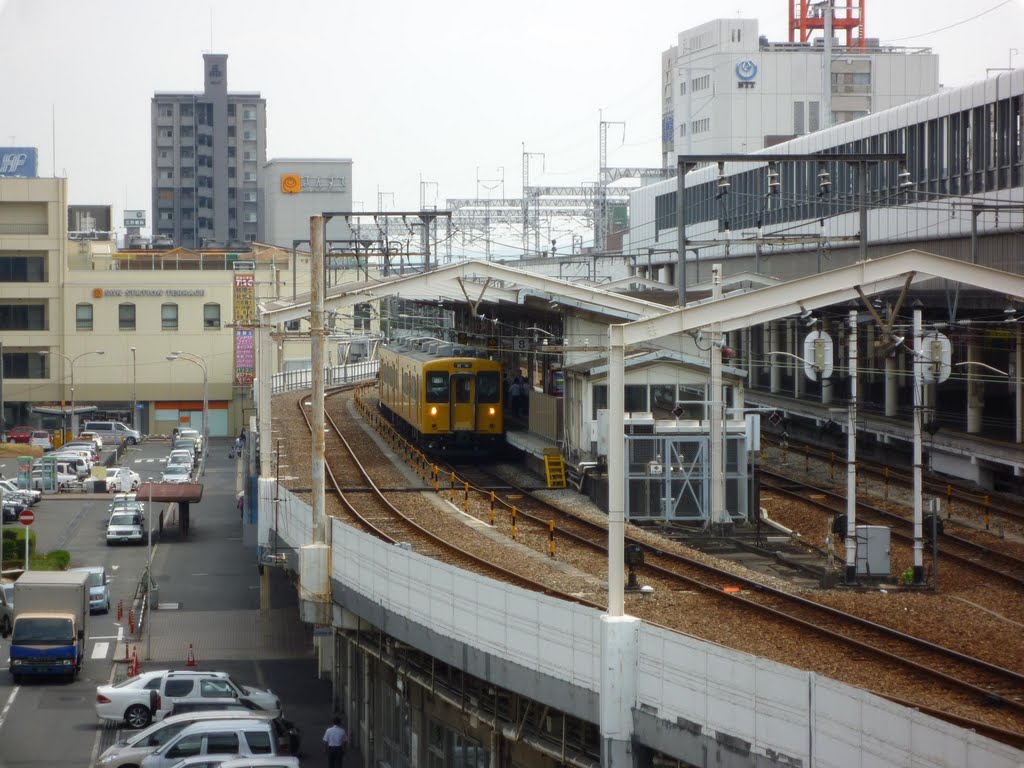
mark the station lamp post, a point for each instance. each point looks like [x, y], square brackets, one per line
[192, 358]
[71, 365]
[135, 401]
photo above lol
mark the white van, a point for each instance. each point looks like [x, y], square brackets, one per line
[244, 738]
[115, 429]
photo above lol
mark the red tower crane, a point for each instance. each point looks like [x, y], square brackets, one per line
[804, 17]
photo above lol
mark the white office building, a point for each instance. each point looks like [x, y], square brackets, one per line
[727, 89]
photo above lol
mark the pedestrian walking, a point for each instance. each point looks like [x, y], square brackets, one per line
[335, 743]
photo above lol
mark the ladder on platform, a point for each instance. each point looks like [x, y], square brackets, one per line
[554, 469]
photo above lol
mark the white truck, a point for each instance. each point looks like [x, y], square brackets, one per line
[50, 610]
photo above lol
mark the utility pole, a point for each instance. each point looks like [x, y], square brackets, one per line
[601, 201]
[528, 221]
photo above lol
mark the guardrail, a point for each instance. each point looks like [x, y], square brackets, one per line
[333, 376]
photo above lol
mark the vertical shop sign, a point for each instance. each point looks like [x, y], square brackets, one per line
[244, 321]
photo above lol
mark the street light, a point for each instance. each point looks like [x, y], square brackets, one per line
[71, 364]
[135, 406]
[206, 400]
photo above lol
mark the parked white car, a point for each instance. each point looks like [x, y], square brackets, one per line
[64, 479]
[41, 439]
[31, 495]
[122, 479]
[177, 473]
[126, 528]
[151, 695]
[94, 436]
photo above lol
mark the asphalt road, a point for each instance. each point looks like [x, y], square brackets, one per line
[53, 724]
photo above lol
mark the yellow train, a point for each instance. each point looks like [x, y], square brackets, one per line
[443, 397]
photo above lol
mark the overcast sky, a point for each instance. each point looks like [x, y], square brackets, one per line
[446, 93]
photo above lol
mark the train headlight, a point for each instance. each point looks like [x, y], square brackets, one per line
[491, 411]
[433, 410]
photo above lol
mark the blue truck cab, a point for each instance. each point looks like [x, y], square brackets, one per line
[50, 611]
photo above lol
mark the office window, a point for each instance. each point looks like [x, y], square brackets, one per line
[22, 317]
[185, 110]
[169, 317]
[22, 269]
[211, 316]
[126, 317]
[83, 317]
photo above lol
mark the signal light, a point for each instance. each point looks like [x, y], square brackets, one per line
[433, 411]
[491, 411]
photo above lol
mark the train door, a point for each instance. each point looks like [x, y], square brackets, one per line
[463, 402]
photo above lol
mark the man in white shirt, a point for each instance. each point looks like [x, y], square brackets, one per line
[335, 742]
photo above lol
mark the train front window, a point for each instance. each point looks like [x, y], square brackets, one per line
[488, 387]
[463, 389]
[437, 387]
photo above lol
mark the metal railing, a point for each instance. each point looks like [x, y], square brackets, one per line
[333, 376]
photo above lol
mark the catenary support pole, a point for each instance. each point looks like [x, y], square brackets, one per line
[719, 514]
[618, 631]
[918, 458]
[851, 459]
[316, 353]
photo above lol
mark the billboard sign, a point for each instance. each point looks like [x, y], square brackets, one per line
[135, 218]
[19, 161]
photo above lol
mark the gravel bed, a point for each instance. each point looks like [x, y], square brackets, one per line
[964, 615]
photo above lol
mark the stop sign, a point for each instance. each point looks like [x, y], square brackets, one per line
[27, 517]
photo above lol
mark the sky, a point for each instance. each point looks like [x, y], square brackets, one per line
[433, 100]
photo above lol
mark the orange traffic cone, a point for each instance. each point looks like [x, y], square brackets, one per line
[191, 660]
[133, 668]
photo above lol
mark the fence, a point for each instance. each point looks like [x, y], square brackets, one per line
[333, 376]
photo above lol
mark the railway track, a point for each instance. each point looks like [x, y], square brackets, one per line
[994, 559]
[797, 455]
[966, 679]
[943, 682]
[370, 508]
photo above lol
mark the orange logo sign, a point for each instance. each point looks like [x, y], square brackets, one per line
[97, 293]
[291, 183]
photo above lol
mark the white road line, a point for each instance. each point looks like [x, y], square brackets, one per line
[99, 650]
[106, 637]
[200, 574]
[7, 706]
[99, 731]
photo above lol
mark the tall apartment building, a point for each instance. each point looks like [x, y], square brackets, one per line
[208, 152]
[725, 88]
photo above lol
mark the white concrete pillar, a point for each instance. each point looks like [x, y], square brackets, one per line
[619, 655]
[827, 385]
[975, 390]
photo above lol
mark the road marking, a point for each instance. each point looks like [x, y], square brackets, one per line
[200, 574]
[99, 731]
[106, 637]
[99, 650]
[7, 706]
